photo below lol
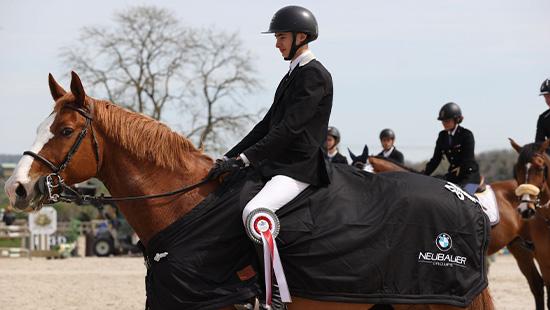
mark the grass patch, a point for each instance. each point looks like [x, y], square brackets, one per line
[10, 243]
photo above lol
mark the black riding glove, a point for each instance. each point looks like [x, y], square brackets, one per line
[224, 165]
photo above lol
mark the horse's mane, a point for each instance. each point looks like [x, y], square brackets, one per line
[409, 169]
[528, 151]
[143, 137]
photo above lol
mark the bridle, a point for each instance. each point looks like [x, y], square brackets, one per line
[58, 169]
[54, 188]
[53, 184]
[526, 189]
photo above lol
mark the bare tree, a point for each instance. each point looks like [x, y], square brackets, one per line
[149, 62]
[222, 74]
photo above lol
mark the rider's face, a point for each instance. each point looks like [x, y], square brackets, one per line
[283, 41]
[387, 143]
[331, 142]
[547, 99]
[448, 124]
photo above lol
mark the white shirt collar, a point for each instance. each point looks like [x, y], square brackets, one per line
[301, 60]
[452, 133]
[388, 152]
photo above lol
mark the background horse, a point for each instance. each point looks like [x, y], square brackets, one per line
[531, 173]
[133, 155]
[511, 231]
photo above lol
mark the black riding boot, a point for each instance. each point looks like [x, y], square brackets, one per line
[276, 302]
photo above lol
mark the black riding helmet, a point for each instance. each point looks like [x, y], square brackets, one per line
[294, 19]
[332, 131]
[545, 87]
[387, 133]
[450, 110]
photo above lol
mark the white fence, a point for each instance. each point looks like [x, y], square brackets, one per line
[15, 232]
[27, 243]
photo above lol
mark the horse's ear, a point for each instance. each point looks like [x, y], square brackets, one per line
[55, 89]
[516, 146]
[77, 89]
[352, 156]
[544, 146]
[365, 151]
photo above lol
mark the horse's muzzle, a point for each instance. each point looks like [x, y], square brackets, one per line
[29, 200]
[527, 213]
[527, 208]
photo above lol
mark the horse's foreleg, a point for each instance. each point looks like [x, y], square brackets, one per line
[544, 264]
[545, 269]
[525, 261]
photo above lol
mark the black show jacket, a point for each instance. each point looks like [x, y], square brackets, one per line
[289, 139]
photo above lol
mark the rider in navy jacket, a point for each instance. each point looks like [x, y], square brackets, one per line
[457, 144]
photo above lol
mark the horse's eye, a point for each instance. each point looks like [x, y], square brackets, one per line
[67, 131]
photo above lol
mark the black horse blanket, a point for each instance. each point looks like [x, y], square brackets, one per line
[387, 238]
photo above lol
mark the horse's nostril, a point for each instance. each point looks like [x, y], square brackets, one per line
[20, 191]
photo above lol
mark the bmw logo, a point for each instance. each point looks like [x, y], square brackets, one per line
[443, 242]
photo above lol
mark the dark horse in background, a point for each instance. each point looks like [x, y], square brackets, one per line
[135, 155]
[511, 231]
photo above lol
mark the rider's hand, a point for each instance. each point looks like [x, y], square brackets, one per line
[224, 165]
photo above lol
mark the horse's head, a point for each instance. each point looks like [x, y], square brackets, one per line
[531, 173]
[65, 151]
[361, 160]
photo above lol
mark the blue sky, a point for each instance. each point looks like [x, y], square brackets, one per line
[394, 63]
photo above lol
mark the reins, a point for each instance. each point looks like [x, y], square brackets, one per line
[87, 199]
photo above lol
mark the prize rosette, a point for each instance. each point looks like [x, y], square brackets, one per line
[259, 221]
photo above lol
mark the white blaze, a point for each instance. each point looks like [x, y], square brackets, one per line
[21, 172]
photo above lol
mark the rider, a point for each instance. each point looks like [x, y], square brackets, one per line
[286, 146]
[543, 124]
[457, 144]
[333, 139]
[387, 139]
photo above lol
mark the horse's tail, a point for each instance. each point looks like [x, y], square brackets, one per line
[483, 301]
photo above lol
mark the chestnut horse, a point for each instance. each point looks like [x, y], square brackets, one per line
[511, 231]
[531, 173]
[133, 155]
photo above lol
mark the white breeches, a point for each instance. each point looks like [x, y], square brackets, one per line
[276, 193]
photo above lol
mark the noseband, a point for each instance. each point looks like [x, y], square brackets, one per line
[525, 190]
[53, 184]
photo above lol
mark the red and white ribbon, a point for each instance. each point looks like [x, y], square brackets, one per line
[272, 262]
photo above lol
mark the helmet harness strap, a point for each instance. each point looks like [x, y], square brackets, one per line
[294, 47]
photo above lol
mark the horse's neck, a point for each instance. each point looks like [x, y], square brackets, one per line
[124, 175]
[382, 165]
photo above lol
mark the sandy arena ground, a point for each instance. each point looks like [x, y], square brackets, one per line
[117, 283]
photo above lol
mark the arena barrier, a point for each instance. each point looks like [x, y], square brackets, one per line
[14, 232]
